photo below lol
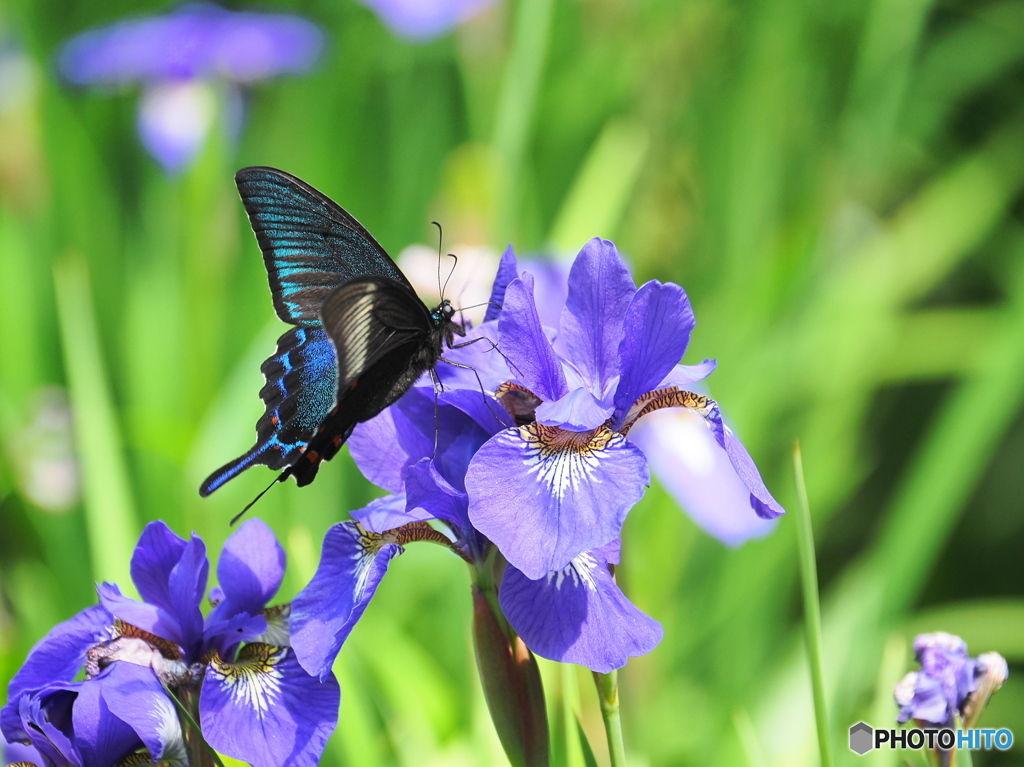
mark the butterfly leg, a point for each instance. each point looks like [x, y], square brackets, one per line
[480, 383]
[494, 348]
[438, 387]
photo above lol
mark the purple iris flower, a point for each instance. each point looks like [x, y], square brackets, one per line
[578, 615]
[681, 452]
[396, 451]
[561, 482]
[425, 19]
[939, 691]
[177, 56]
[542, 467]
[252, 699]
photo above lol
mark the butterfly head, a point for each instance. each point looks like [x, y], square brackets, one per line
[444, 313]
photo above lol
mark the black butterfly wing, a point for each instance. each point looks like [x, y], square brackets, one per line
[310, 244]
[301, 384]
[384, 339]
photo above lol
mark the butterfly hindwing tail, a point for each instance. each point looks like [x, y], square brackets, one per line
[300, 389]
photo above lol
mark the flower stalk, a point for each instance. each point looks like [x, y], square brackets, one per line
[511, 683]
[608, 694]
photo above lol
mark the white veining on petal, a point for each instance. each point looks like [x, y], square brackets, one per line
[563, 459]
[253, 682]
[369, 546]
[169, 731]
[580, 571]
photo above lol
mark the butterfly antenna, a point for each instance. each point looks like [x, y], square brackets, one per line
[252, 503]
[450, 255]
[440, 237]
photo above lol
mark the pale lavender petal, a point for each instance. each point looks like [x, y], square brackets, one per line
[324, 613]
[174, 120]
[690, 464]
[57, 657]
[544, 496]
[524, 342]
[265, 710]
[657, 329]
[251, 567]
[600, 290]
[425, 19]
[579, 410]
[760, 499]
[387, 513]
[685, 376]
[578, 615]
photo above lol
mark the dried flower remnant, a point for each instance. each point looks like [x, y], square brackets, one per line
[950, 682]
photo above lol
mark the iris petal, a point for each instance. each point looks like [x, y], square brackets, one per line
[698, 474]
[600, 290]
[522, 337]
[265, 710]
[545, 495]
[578, 615]
[56, 657]
[135, 696]
[657, 330]
[352, 564]
[250, 568]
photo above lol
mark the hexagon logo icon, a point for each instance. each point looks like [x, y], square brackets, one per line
[861, 738]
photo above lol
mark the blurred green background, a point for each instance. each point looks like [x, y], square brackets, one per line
[838, 185]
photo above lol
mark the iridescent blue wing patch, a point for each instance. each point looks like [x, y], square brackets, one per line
[384, 338]
[310, 244]
[301, 384]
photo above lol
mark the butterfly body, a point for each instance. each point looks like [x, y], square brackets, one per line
[362, 336]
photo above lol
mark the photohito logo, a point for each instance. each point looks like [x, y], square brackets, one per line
[864, 738]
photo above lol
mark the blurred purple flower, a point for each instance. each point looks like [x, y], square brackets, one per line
[254, 701]
[943, 688]
[177, 56]
[425, 19]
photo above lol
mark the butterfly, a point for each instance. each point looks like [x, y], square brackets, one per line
[361, 338]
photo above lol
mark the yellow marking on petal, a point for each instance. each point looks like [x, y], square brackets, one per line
[252, 681]
[563, 459]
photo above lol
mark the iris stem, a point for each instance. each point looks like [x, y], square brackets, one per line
[812, 609]
[608, 694]
[201, 754]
